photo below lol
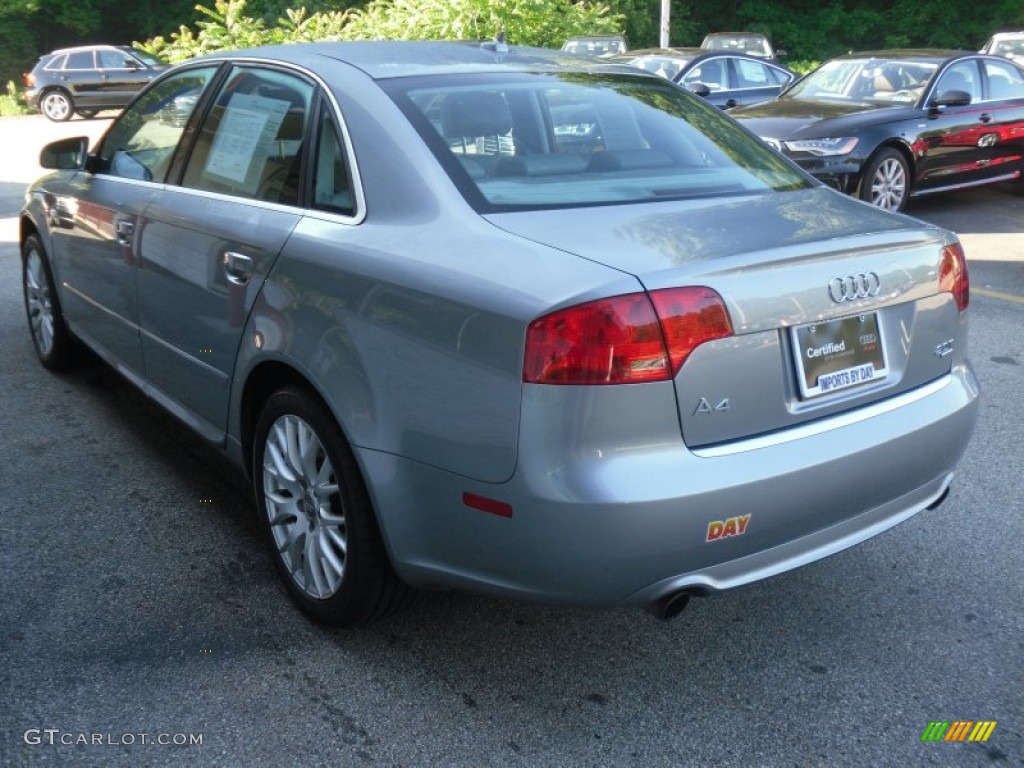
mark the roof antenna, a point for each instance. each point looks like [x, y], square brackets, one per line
[498, 45]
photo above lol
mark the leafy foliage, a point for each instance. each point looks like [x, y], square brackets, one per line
[527, 22]
[11, 102]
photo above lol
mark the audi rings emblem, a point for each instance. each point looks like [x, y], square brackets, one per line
[850, 287]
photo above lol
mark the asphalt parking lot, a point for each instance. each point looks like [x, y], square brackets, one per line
[142, 623]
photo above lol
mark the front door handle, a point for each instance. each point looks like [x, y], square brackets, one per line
[124, 231]
[238, 267]
[730, 103]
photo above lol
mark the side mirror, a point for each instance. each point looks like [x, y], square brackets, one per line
[700, 89]
[66, 154]
[132, 64]
[951, 98]
[781, 53]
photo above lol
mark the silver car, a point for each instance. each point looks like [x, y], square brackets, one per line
[474, 317]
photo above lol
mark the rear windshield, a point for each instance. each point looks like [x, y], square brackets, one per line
[549, 141]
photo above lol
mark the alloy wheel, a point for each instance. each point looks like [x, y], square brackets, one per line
[56, 106]
[40, 303]
[304, 507]
[889, 184]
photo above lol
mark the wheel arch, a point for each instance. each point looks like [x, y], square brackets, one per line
[904, 149]
[265, 378]
[27, 227]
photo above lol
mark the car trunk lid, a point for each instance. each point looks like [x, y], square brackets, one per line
[833, 304]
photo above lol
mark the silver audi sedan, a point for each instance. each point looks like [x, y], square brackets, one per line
[505, 320]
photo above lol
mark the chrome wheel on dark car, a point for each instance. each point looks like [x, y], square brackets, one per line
[885, 182]
[317, 514]
[57, 106]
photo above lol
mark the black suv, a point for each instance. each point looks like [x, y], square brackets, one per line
[88, 79]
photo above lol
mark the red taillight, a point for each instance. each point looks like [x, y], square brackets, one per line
[29, 79]
[953, 275]
[624, 339]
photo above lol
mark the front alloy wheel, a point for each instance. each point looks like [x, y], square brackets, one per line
[57, 106]
[886, 181]
[317, 514]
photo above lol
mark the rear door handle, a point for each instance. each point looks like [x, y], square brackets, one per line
[238, 267]
[730, 103]
[985, 117]
[124, 231]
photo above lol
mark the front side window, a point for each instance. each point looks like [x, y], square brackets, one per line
[116, 60]
[251, 144]
[962, 76]
[584, 139]
[141, 143]
[714, 73]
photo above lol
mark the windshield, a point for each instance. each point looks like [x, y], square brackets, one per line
[867, 80]
[1013, 47]
[583, 139]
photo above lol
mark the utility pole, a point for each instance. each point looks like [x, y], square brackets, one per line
[666, 10]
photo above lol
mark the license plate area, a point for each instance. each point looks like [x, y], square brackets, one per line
[838, 354]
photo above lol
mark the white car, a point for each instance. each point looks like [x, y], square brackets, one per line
[1008, 44]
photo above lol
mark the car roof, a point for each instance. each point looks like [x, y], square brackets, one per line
[385, 59]
[736, 34]
[97, 47]
[909, 53]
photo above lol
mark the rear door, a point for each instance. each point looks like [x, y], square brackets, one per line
[82, 78]
[952, 148]
[208, 243]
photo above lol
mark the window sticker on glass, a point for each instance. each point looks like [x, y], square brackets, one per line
[246, 132]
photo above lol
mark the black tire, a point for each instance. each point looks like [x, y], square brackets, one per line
[1018, 184]
[57, 105]
[317, 515]
[885, 182]
[56, 348]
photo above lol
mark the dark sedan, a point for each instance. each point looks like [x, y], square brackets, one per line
[725, 79]
[891, 125]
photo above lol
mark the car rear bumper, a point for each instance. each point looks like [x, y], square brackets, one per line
[632, 526]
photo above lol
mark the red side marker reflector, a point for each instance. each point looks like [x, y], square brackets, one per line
[499, 508]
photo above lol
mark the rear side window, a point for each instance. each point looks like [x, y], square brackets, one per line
[332, 183]
[1004, 81]
[252, 142]
[56, 62]
[752, 74]
[584, 139]
[80, 60]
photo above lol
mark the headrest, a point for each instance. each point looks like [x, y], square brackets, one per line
[475, 113]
